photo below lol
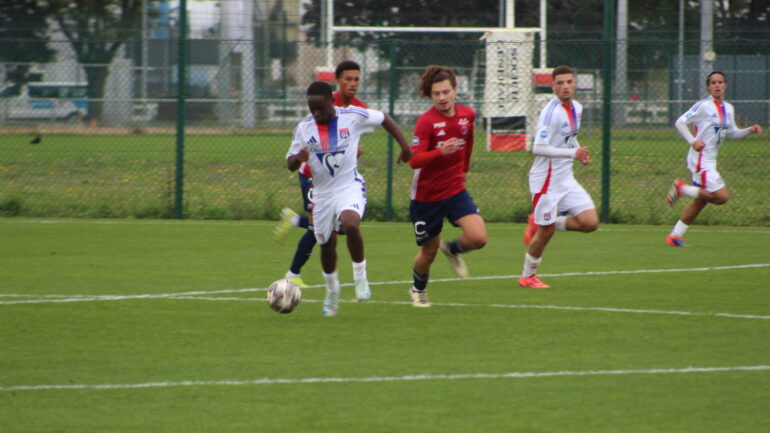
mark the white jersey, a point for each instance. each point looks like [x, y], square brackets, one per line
[713, 122]
[333, 147]
[557, 128]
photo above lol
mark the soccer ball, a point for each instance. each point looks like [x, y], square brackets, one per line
[283, 296]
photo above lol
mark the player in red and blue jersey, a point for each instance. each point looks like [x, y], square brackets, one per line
[442, 148]
[348, 77]
[714, 120]
[327, 141]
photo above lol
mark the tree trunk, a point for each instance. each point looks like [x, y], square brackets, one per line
[97, 77]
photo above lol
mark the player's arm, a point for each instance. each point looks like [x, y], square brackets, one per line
[422, 155]
[545, 133]
[683, 129]
[298, 152]
[393, 129]
[294, 161]
[735, 133]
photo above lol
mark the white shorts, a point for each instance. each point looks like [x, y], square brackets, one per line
[327, 211]
[708, 179]
[572, 200]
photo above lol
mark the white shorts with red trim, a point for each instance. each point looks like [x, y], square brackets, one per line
[708, 179]
[327, 211]
[571, 199]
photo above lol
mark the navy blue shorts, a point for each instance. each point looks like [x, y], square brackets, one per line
[428, 216]
[305, 183]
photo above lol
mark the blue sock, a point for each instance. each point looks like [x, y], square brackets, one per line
[304, 221]
[455, 248]
[420, 281]
[304, 250]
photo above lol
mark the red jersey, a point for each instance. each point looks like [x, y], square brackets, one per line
[355, 102]
[437, 177]
[304, 168]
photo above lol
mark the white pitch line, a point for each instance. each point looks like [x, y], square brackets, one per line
[281, 381]
[511, 306]
[505, 226]
[42, 299]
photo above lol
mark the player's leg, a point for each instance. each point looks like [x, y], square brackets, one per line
[708, 187]
[350, 221]
[428, 220]
[545, 209]
[464, 213]
[421, 272]
[301, 256]
[323, 225]
[579, 205]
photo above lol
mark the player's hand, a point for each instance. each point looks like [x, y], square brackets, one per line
[583, 155]
[755, 129]
[698, 145]
[303, 155]
[451, 146]
[404, 156]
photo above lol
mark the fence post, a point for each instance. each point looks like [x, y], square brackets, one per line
[181, 85]
[607, 108]
[392, 95]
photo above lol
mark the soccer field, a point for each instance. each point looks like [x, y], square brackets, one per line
[162, 326]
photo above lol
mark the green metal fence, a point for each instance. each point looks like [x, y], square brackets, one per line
[68, 149]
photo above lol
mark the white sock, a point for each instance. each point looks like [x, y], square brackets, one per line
[359, 270]
[291, 274]
[332, 281]
[530, 265]
[691, 191]
[680, 229]
[561, 224]
[295, 221]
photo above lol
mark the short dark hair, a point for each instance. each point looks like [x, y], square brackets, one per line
[320, 88]
[346, 65]
[560, 70]
[708, 77]
[435, 74]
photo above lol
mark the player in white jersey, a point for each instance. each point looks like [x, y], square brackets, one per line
[555, 192]
[328, 141]
[714, 119]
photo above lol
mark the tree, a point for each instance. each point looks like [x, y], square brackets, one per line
[97, 29]
[436, 13]
[23, 32]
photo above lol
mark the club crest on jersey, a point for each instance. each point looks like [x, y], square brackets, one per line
[415, 141]
[345, 133]
[332, 161]
[464, 121]
[547, 216]
[439, 124]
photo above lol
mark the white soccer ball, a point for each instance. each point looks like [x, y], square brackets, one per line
[283, 296]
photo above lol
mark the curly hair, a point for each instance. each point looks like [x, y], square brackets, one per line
[435, 74]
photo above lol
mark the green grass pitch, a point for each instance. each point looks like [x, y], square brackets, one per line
[161, 326]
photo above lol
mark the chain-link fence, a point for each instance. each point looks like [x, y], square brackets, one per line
[99, 140]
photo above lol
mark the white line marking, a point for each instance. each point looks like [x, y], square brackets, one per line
[512, 306]
[272, 381]
[492, 226]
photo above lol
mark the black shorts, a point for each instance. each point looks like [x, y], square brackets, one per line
[428, 216]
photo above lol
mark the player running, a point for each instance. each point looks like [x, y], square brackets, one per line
[714, 120]
[348, 78]
[442, 146]
[328, 141]
[555, 192]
